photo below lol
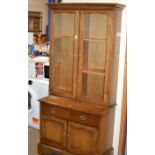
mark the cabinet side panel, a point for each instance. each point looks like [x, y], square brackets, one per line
[105, 138]
[113, 74]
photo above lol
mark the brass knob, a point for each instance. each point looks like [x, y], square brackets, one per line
[83, 118]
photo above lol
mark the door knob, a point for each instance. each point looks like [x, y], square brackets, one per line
[83, 117]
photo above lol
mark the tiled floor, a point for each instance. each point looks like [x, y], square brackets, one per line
[33, 141]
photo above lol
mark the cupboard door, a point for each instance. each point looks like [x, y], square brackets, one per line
[81, 139]
[64, 53]
[53, 131]
[93, 50]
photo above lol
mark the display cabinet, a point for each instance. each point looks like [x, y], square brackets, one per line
[77, 117]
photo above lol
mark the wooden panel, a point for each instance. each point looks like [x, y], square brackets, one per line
[92, 87]
[63, 65]
[95, 25]
[42, 148]
[82, 139]
[105, 138]
[64, 24]
[53, 131]
[50, 110]
[94, 55]
[63, 70]
[87, 6]
[84, 118]
[113, 58]
[111, 34]
[88, 108]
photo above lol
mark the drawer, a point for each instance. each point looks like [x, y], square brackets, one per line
[50, 110]
[84, 118]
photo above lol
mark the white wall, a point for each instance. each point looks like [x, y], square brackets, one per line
[121, 69]
[40, 5]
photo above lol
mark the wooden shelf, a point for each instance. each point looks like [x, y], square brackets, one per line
[94, 71]
[94, 39]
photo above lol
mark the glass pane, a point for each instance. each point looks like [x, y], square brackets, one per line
[92, 86]
[95, 25]
[94, 55]
[64, 24]
[63, 64]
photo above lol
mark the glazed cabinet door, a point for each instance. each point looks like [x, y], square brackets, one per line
[64, 40]
[81, 139]
[53, 131]
[93, 54]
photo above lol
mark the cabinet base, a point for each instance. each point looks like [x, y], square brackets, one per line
[42, 148]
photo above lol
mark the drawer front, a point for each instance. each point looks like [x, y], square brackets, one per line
[50, 110]
[84, 118]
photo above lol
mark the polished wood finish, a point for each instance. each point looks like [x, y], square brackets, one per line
[64, 53]
[95, 131]
[95, 55]
[76, 106]
[43, 148]
[82, 139]
[114, 45]
[78, 115]
[84, 118]
[53, 131]
[55, 111]
[86, 6]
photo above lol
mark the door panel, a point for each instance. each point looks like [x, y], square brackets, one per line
[64, 53]
[63, 68]
[64, 24]
[93, 50]
[95, 25]
[81, 139]
[53, 131]
[92, 86]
